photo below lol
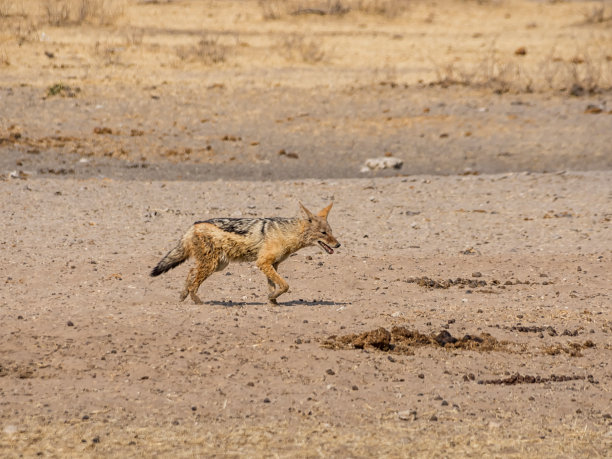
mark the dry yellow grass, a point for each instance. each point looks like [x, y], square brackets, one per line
[391, 437]
[411, 42]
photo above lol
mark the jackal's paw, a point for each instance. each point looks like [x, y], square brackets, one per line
[183, 295]
[272, 300]
[196, 300]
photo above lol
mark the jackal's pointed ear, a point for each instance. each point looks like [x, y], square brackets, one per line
[323, 212]
[309, 215]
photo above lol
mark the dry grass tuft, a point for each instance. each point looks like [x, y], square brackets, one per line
[74, 12]
[6, 7]
[596, 14]
[208, 50]
[297, 48]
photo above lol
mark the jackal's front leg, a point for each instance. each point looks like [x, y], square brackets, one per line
[274, 280]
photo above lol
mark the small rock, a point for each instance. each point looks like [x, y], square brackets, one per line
[387, 162]
[477, 274]
[595, 109]
[266, 400]
[407, 415]
[70, 324]
[329, 371]
[521, 51]
[577, 90]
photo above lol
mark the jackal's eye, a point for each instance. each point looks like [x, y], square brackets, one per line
[324, 232]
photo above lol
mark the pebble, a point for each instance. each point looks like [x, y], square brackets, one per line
[407, 415]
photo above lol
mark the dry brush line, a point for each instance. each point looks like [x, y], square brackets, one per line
[275, 9]
[588, 70]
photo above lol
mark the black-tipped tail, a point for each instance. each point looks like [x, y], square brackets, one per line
[172, 259]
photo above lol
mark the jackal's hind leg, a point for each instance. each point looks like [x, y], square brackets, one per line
[207, 261]
[188, 283]
[203, 270]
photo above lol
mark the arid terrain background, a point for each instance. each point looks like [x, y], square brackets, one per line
[468, 311]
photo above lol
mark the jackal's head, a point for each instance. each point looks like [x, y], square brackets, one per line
[318, 230]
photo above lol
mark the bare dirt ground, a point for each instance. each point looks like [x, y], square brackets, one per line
[468, 310]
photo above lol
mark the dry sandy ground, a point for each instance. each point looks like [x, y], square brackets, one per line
[120, 130]
[98, 358]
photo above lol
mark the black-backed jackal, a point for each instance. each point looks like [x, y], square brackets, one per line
[268, 242]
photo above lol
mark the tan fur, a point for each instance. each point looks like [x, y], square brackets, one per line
[267, 242]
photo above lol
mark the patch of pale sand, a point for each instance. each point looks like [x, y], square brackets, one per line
[98, 358]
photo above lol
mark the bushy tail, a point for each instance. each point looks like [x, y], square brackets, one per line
[172, 259]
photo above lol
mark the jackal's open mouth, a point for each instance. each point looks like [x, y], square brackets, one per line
[327, 248]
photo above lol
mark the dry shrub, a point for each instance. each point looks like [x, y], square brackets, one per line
[491, 71]
[4, 59]
[58, 12]
[6, 7]
[272, 9]
[387, 8]
[97, 12]
[587, 71]
[110, 53]
[275, 9]
[596, 14]
[208, 50]
[297, 48]
[133, 36]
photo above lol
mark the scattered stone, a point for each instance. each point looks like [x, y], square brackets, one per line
[329, 371]
[521, 51]
[577, 90]
[102, 130]
[527, 379]
[70, 323]
[477, 274]
[407, 415]
[387, 162]
[595, 109]
[288, 154]
[534, 329]
[572, 349]
[444, 284]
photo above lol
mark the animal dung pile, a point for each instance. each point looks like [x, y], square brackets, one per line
[403, 340]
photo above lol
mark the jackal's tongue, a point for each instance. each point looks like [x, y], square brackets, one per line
[327, 248]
